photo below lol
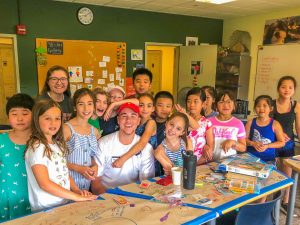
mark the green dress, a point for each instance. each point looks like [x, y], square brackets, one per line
[13, 179]
[95, 123]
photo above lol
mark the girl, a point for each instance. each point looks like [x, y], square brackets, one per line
[14, 192]
[264, 134]
[201, 134]
[81, 139]
[169, 152]
[101, 106]
[146, 129]
[49, 183]
[229, 132]
[287, 113]
[209, 106]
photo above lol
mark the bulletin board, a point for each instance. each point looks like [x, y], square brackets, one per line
[90, 63]
[274, 62]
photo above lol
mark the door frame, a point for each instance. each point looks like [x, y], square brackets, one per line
[15, 46]
[176, 60]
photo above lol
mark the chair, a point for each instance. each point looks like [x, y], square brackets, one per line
[258, 214]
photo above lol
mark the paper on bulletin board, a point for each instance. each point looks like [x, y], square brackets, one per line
[121, 82]
[79, 86]
[111, 77]
[101, 81]
[118, 76]
[73, 88]
[106, 59]
[119, 69]
[136, 54]
[75, 73]
[88, 80]
[89, 73]
[102, 64]
[104, 73]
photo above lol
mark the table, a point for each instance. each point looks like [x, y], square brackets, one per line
[106, 211]
[294, 163]
[221, 203]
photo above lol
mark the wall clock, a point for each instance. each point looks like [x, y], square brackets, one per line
[85, 15]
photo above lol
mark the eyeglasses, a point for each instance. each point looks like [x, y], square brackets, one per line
[56, 79]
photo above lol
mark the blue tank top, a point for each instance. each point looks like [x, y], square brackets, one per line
[265, 135]
[140, 130]
[175, 157]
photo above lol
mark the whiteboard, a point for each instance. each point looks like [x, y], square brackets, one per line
[274, 62]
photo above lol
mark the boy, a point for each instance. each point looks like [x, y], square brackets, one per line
[14, 196]
[142, 80]
[163, 103]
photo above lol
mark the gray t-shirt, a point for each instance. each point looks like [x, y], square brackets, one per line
[66, 106]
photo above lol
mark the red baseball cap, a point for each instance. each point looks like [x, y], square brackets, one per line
[129, 105]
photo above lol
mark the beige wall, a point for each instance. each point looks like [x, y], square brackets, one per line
[167, 66]
[255, 26]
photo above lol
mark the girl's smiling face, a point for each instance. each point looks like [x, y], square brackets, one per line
[286, 89]
[175, 127]
[101, 104]
[146, 106]
[225, 106]
[50, 122]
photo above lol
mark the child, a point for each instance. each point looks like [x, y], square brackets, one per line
[49, 183]
[169, 152]
[101, 106]
[286, 112]
[142, 79]
[263, 133]
[81, 139]
[209, 106]
[164, 103]
[201, 132]
[14, 195]
[229, 132]
[146, 129]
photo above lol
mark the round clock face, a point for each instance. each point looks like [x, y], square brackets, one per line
[85, 15]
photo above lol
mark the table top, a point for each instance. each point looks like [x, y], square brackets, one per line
[221, 202]
[107, 211]
[294, 163]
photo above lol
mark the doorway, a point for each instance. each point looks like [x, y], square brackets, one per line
[161, 59]
[9, 79]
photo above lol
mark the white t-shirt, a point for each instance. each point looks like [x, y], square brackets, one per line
[137, 168]
[58, 173]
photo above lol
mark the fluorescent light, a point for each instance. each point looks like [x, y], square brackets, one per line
[215, 1]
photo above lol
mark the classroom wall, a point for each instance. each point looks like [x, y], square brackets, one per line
[255, 26]
[167, 66]
[51, 19]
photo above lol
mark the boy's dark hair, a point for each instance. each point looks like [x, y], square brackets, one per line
[196, 91]
[19, 101]
[163, 94]
[142, 71]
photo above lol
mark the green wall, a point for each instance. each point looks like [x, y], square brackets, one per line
[51, 19]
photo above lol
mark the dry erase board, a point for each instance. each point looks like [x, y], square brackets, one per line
[90, 63]
[274, 62]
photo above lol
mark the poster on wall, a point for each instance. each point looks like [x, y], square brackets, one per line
[196, 68]
[75, 73]
[281, 31]
[191, 41]
[136, 54]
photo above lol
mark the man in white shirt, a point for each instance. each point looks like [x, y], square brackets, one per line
[112, 146]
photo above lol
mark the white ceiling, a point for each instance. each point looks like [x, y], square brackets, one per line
[237, 8]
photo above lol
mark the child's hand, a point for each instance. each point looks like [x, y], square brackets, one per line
[180, 109]
[286, 138]
[95, 169]
[108, 112]
[81, 198]
[262, 147]
[119, 162]
[226, 145]
[85, 193]
[207, 153]
[87, 172]
[257, 145]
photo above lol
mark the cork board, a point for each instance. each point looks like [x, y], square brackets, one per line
[90, 63]
[107, 211]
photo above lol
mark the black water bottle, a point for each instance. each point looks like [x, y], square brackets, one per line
[189, 170]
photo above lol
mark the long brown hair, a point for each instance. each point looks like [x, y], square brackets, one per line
[37, 137]
[186, 124]
[46, 87]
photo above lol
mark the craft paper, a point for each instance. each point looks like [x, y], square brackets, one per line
[73, 88]
[111, 77]
[106, 59]
[102, 64]
[89, 73]
[101, 81]
[110, 85]
[75, 73]
[118, 76]
[88, 80]
[79, 86]
[121, 82]
[119, 69]
[104, 74]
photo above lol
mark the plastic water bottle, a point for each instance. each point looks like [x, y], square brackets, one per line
[189, 169]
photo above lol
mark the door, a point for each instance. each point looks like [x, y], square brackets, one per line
[8, 84]
[197, 66]
[154, 63]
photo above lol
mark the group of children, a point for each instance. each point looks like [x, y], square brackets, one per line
[60, 162]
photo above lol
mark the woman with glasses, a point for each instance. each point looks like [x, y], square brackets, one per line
[57, 88]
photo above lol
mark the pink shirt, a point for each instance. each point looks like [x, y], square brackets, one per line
[223, 130]
[198, 136]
